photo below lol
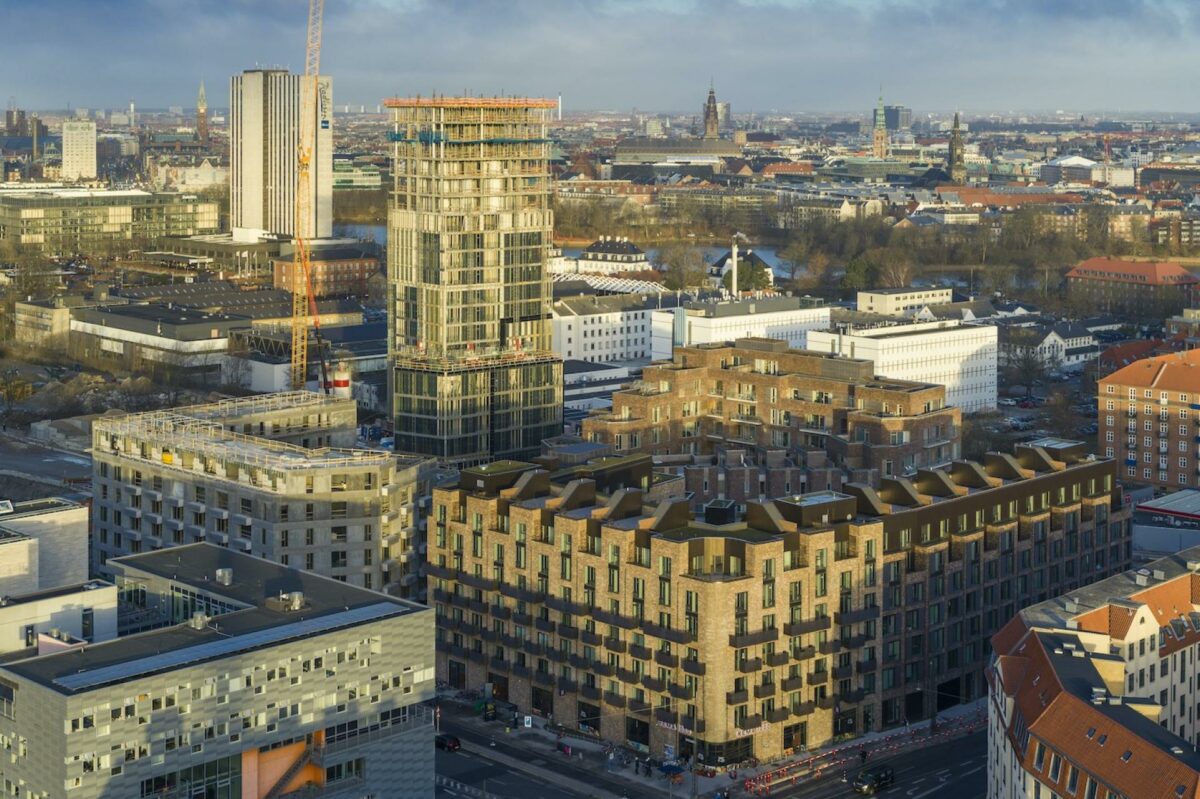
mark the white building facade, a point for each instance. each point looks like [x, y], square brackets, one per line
[78, 150]
[958, 356]
[265, 105]
[902, 302]
[786, 318]
[604, 329]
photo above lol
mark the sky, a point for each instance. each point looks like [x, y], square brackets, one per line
[657, 55]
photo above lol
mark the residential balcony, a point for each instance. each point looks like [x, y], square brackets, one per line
[743, 640]
[763, 690]
[857, 616]
[750, 722]
[750, 665]
[812, 625]
[790, 684]
[737, 697]
[777, 715]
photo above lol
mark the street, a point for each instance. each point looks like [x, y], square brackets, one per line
[521, 766]
[957, 768]
[492, 778]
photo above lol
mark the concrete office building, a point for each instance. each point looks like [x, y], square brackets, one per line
[56, 618]
[50, 538]
[760, 394]
[252, 681]
[1149, 415]
[902, 302]
[719, 321]
[1168, 523]
[269, 475]
[755, 634]
[474, 375]
[263, 139]
[78, 150]
[69, 221]
[961, 357]
[1093, 692]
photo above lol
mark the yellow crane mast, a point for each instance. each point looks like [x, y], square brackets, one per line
[301, 283]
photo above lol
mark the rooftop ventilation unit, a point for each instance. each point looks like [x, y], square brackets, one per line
[225, 576]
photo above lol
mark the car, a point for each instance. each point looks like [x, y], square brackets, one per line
[1027, 404]
[448, 742]
[873, 779]
[1006, 402]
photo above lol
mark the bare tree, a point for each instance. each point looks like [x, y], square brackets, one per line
[683, 267]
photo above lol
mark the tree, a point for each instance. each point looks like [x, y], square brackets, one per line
[1062, 416]
[891, 268]
[13, 389]
[683, 267]
[818, 271]
[1026, 365]
[795, 257]
[859, 274]
[752, 276]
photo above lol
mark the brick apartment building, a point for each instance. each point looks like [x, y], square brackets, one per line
[333, 271]
[738, 635]
[1150, 419]
[1139, 289]
[760, 394]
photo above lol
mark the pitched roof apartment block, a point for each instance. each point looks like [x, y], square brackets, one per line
[1093, 693]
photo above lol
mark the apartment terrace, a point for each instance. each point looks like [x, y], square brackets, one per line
[170, 440]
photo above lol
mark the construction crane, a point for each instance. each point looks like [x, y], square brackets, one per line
[304, 304]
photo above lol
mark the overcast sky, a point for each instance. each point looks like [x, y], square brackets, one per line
[819, 55]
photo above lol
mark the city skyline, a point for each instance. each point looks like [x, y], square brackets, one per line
[762, 54]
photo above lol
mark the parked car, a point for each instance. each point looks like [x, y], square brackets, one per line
[1007, 402]
[448, 742]
[874, 779]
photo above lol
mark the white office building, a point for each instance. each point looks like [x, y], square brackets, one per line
[78, 150]
[787, 318]
[958, 356]
[606, 329]
[902, 302]
[265, 105]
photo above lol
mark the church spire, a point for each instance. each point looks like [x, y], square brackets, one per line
[202, 115]
[879, 137]
[956, 161]
[711, 117]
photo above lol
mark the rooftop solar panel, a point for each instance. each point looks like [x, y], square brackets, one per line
[226, 646]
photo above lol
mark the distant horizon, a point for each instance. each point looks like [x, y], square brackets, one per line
[967, 115]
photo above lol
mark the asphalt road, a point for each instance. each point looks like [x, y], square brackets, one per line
[538, 753]
[25, 457]
[493, 778]
[956, 769]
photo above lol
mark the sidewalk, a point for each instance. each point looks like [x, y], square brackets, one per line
[589, 754]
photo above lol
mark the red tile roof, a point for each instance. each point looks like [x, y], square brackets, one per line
[1176, 371]
[1150, 273]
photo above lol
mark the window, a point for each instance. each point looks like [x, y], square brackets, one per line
[1055, 767]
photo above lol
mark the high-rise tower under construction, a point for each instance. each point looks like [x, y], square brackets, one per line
[473, 377]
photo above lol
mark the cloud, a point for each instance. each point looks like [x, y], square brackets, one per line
[618, 54]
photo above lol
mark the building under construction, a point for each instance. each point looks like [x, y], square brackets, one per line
[272, 476]
[473, 376]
